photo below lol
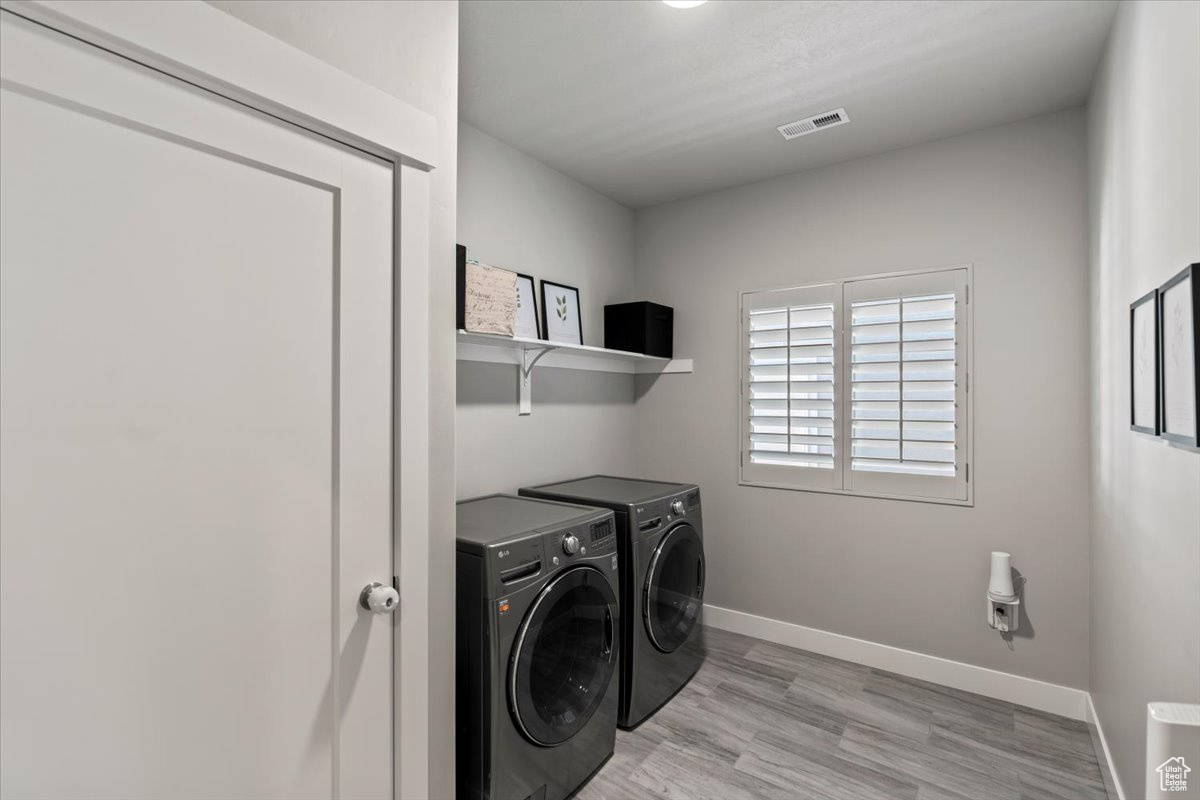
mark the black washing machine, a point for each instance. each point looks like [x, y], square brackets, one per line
[661, 543]
[538, 647]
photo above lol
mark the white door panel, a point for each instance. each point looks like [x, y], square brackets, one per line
[195, 340]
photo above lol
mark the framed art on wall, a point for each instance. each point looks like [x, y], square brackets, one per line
[486, 297]
[526, 326]
[560, 313]
[490, 299]
[1143, 364]
[1179, 332]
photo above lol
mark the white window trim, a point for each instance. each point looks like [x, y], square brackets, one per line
[803, 479]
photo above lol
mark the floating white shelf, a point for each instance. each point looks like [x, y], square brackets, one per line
[526, 353]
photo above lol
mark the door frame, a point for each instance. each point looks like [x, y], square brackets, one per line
[201, 45]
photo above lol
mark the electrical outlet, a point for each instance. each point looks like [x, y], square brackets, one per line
[1003, 615]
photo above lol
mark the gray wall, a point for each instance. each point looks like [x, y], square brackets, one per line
[409, 50]
[1145, 220]
[1012, 200]
[515, 212]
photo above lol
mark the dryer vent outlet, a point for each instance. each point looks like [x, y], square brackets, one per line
[817, 122]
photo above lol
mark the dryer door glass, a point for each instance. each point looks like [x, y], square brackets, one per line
[674, 589]
[564, 657]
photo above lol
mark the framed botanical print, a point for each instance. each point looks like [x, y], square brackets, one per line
[560, 313]
[526, 326]
[1179, 335]
[1143, 364]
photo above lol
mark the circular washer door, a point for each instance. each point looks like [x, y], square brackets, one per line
[674, 589]
[564, 656]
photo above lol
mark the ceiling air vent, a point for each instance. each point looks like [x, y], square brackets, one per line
[817, 122]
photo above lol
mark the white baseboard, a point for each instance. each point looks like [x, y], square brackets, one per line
[1093, 719]
[1049, 697]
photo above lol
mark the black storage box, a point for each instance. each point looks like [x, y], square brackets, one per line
[639, 328]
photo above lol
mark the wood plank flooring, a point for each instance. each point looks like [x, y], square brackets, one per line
[764, 721]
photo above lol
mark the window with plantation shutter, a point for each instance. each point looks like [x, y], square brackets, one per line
[789, 386]
[907, 384]
[859, 386]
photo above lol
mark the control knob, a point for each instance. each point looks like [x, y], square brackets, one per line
[570, 544]
[677, 507]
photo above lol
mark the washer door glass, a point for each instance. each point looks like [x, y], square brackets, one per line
[564, 656]
[674, 589]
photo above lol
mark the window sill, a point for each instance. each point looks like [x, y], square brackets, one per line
[944, 501]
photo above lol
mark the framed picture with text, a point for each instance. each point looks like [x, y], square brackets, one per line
[1179, 335]
[526, 326]
[560, 313]
[1143, 364]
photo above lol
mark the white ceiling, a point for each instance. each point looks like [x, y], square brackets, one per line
[646, 103]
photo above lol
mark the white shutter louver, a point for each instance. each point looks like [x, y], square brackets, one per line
[791, 386]
[902, 385]
[859, 386]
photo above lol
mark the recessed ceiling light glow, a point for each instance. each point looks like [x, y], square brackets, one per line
[685, 3]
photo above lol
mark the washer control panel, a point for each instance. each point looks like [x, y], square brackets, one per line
[601, 531]
[593, 538]
[654, 516]
[518, 561]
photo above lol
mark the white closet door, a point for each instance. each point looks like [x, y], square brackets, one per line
[195, 437]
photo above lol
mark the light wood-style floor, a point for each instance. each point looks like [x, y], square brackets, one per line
[764, 721]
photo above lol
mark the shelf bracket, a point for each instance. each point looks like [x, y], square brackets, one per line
[526, 383]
